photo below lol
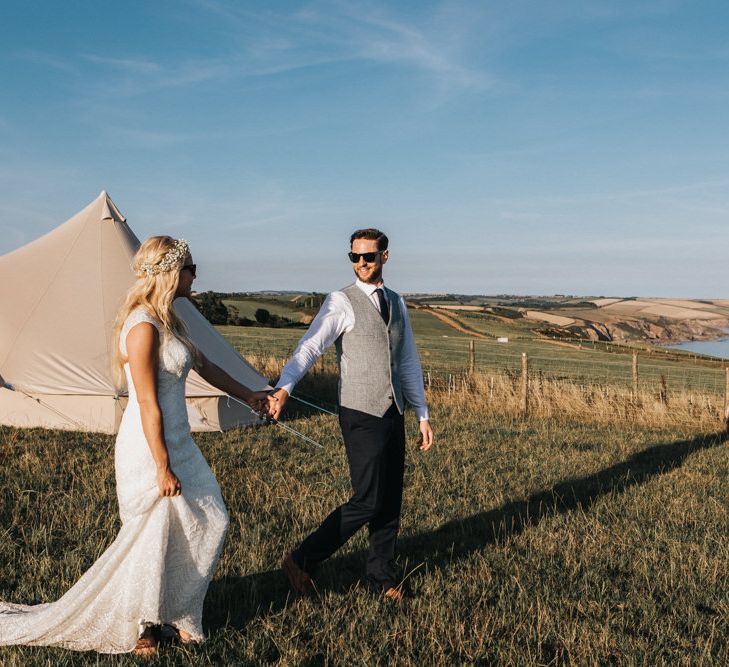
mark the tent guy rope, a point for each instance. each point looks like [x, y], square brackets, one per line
[306, 438]
[12, 387]
[293, 431]
[312, 405]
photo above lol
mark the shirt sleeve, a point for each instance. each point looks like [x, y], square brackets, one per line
[411, 372]
[334, 318]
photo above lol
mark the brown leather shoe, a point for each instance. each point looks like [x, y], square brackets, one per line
[299, 579]
[147, 643]
[394, 594]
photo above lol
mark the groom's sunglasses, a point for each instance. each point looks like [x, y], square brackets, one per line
[366, 256]
[192, 268]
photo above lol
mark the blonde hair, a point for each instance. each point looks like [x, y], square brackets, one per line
[157, 266]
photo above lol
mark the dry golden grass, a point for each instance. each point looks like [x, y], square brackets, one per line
[661, 309]
[605, 302]
[500, 393]
[684, 303]
[559, 320]
[680, 313]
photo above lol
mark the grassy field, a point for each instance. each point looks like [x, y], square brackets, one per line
[284, 307]
[538, 541]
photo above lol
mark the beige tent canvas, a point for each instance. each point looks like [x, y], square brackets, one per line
[59, 296]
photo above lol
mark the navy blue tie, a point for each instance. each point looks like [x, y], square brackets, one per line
[384, 310]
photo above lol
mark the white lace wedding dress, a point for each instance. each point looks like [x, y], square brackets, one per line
[159, 566]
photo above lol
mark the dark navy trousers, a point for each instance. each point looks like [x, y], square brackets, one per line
[375, 448]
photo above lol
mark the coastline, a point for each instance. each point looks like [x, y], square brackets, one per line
[692, 331]
[715, 349]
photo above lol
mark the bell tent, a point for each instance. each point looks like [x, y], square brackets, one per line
[59, 296]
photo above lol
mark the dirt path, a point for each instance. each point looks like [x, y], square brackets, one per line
[446, 319]
[455, 324]
[559, 343]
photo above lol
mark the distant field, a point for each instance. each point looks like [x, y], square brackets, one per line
[685, 303]
[566, 317]
[262, 341]
[662, 309]
[445, 351]
[284, 308]
[460, 307]
[604, 302]
[549, 317]
[484, 323]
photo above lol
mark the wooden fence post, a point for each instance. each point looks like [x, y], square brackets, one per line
[471, 356]
[524, 383]
[726, 396]
[663, 393]
[635, 377]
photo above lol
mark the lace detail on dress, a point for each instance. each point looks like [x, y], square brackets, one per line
[137, 316]
[158, 568]
[174, 356]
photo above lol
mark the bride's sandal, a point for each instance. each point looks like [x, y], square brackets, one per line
[174, 634]
[146, 644]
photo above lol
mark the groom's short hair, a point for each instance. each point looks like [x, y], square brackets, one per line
[371, 234]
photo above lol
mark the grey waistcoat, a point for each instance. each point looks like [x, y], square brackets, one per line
[369, 356]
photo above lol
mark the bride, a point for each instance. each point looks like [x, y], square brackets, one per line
[157, 570]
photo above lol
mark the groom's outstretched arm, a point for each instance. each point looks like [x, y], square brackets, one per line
[411, 378]
[334, 318]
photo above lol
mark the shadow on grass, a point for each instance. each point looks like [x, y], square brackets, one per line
[247, 597]
[460, 537]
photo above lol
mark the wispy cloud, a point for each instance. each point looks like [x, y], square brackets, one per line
[138, 65]
[264, 48]
[272, 207]
[136, 76]
[373, 33]
[269, 43]
[49, 60]
[146, 138]
[696, 188]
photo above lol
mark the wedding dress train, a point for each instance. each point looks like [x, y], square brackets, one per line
[158, 568]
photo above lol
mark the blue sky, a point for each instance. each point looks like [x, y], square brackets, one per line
[577, 147]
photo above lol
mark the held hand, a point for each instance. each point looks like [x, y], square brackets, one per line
[425, 439]
[276, 402]
[167, 482]
[258, 400]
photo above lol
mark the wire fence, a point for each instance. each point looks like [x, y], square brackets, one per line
[448, 359]
[624, 368]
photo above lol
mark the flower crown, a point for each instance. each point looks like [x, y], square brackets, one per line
[172, 258]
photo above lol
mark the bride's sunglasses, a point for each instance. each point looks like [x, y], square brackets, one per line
[366, 256]
[192, 268]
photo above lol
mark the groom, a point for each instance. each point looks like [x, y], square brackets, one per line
[379, 370]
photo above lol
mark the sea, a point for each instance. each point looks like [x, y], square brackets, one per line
[715, 348]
